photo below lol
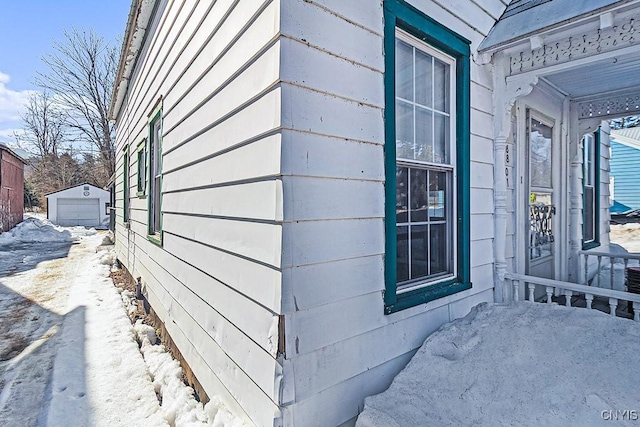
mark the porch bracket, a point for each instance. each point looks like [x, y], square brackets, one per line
[506, 94]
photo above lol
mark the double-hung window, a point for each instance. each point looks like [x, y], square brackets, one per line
[425, 163]
[155, 177]
[426, 158]
[591, 190]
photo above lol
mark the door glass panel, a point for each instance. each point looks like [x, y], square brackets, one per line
[541, 237]
[540, 149]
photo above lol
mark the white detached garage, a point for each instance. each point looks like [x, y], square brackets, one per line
[84, 204]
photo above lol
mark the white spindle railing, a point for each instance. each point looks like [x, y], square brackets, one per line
[569, 289]
[600, 255]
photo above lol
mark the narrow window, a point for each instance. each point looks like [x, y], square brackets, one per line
[155, 176]
[591, 193]
[426, 159]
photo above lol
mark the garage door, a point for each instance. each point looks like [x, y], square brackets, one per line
[79, 212]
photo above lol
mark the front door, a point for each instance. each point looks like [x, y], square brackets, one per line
[541, 204]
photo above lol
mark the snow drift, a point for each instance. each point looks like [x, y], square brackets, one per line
[525, 364]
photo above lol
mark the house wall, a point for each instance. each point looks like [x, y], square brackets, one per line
[11, 190]
[78, 192]
[213, 68]
[340, 346]
[624, 167]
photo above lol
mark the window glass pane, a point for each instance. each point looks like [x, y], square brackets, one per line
[419, 251]
[439, 248]
[437, 195]
[541, 161]
[404, 130]
[424, 80]
[589, 146]
[589, 216]
[402, 195]
[404, 70]
[441, 139]
[441, 86]
[402, 258]
[418, 195]
[423, 149]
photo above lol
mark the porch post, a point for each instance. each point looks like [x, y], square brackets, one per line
[505, 94]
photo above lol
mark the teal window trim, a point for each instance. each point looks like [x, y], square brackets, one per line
[597, 141]
[154, 234]
[399, 14]
[126, 193]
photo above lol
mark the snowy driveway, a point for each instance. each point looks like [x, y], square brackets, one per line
[34, 288]
[69, 355]
[61, 353]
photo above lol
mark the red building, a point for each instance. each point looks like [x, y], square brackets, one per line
[11, 188]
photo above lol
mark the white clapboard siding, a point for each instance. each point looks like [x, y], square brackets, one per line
[260, 200]
[308, 154]
[217, 377]
[481, 149]
[214, 69]
[251, 84]
[319, 71]
[311, 242]
[229, 54]
[340, 280]
[256, 160]
[193, 302]
[308, 23]
[339, 342]
[325, 114]
[254, 240]
[345, 400]
[312, 198]
[255, 121]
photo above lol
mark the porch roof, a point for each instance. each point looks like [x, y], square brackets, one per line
[523, 18]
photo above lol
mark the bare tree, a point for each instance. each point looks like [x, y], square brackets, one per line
[43, 124]
[81, 74]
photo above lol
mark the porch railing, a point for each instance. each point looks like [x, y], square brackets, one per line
[557, 287]
[609, 273]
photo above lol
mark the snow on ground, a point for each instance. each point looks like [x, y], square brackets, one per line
[627, 236]
[69, 355]
[524, 364]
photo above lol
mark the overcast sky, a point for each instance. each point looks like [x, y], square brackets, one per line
[28, 29]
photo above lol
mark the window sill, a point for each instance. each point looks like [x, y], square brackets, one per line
[426, 294]
[141, 195]
[590, 245]
[156, 239]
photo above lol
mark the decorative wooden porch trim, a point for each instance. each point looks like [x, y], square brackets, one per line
[594, 42]
[611, 105]
[506, 93]
[568, 289]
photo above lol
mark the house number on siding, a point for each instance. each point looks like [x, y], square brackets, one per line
[508, 161]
